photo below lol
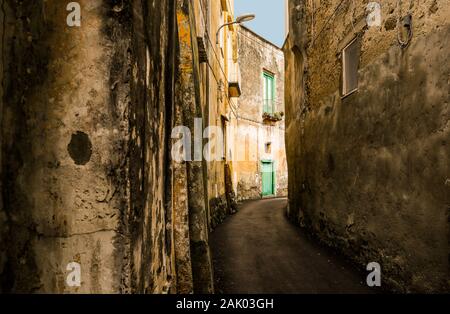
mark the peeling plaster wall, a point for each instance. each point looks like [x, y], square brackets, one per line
[218, 105]
[151, 224]
[64, 125]
[86, 177]
[255, 56]
[368, 174]
[189, 100]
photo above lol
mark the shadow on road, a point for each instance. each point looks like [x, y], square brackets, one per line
[259, 251]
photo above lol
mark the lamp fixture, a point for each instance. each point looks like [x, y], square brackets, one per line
[239, 20]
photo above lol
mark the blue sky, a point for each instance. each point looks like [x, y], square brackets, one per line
[269, 21]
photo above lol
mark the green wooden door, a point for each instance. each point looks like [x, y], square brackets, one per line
[268, 180]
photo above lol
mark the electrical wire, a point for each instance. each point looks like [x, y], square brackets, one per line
[353, 14]
[328, 21]
[233, 106]
[277, 49]
[230, 102]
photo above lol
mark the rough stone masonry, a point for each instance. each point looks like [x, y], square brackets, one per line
[369, 171]
[86, 175]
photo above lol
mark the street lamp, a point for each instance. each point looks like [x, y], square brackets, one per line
[239, 20]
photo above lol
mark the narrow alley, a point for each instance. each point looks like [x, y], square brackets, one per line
[259, 251]
[199, 147]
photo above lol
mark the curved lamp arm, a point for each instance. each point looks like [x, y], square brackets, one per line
[220, 28]
[239, 20]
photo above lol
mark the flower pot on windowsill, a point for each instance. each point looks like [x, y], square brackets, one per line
[273, 118]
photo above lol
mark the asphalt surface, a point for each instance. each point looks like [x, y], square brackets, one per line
[258, 250]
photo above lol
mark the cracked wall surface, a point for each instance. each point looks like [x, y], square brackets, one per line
[368, 172]
[63, 196]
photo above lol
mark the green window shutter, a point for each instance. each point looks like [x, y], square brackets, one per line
[265, 107]
[274, 109]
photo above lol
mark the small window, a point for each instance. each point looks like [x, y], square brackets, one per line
[350, 64]
[269, 92]
[268, 148]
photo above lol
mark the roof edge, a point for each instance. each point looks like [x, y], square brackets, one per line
[260, 37]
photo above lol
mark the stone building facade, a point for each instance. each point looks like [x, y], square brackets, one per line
[367, 127]
[260, 167]
[87, 176]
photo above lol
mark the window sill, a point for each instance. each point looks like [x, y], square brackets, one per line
[349, 94]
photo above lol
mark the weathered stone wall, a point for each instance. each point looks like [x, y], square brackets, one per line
[190, 101]
[152, 75]
[217, 101]
[63, 146]
[5, 16]
[368, 173]
[86, 173]
[251, 135]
